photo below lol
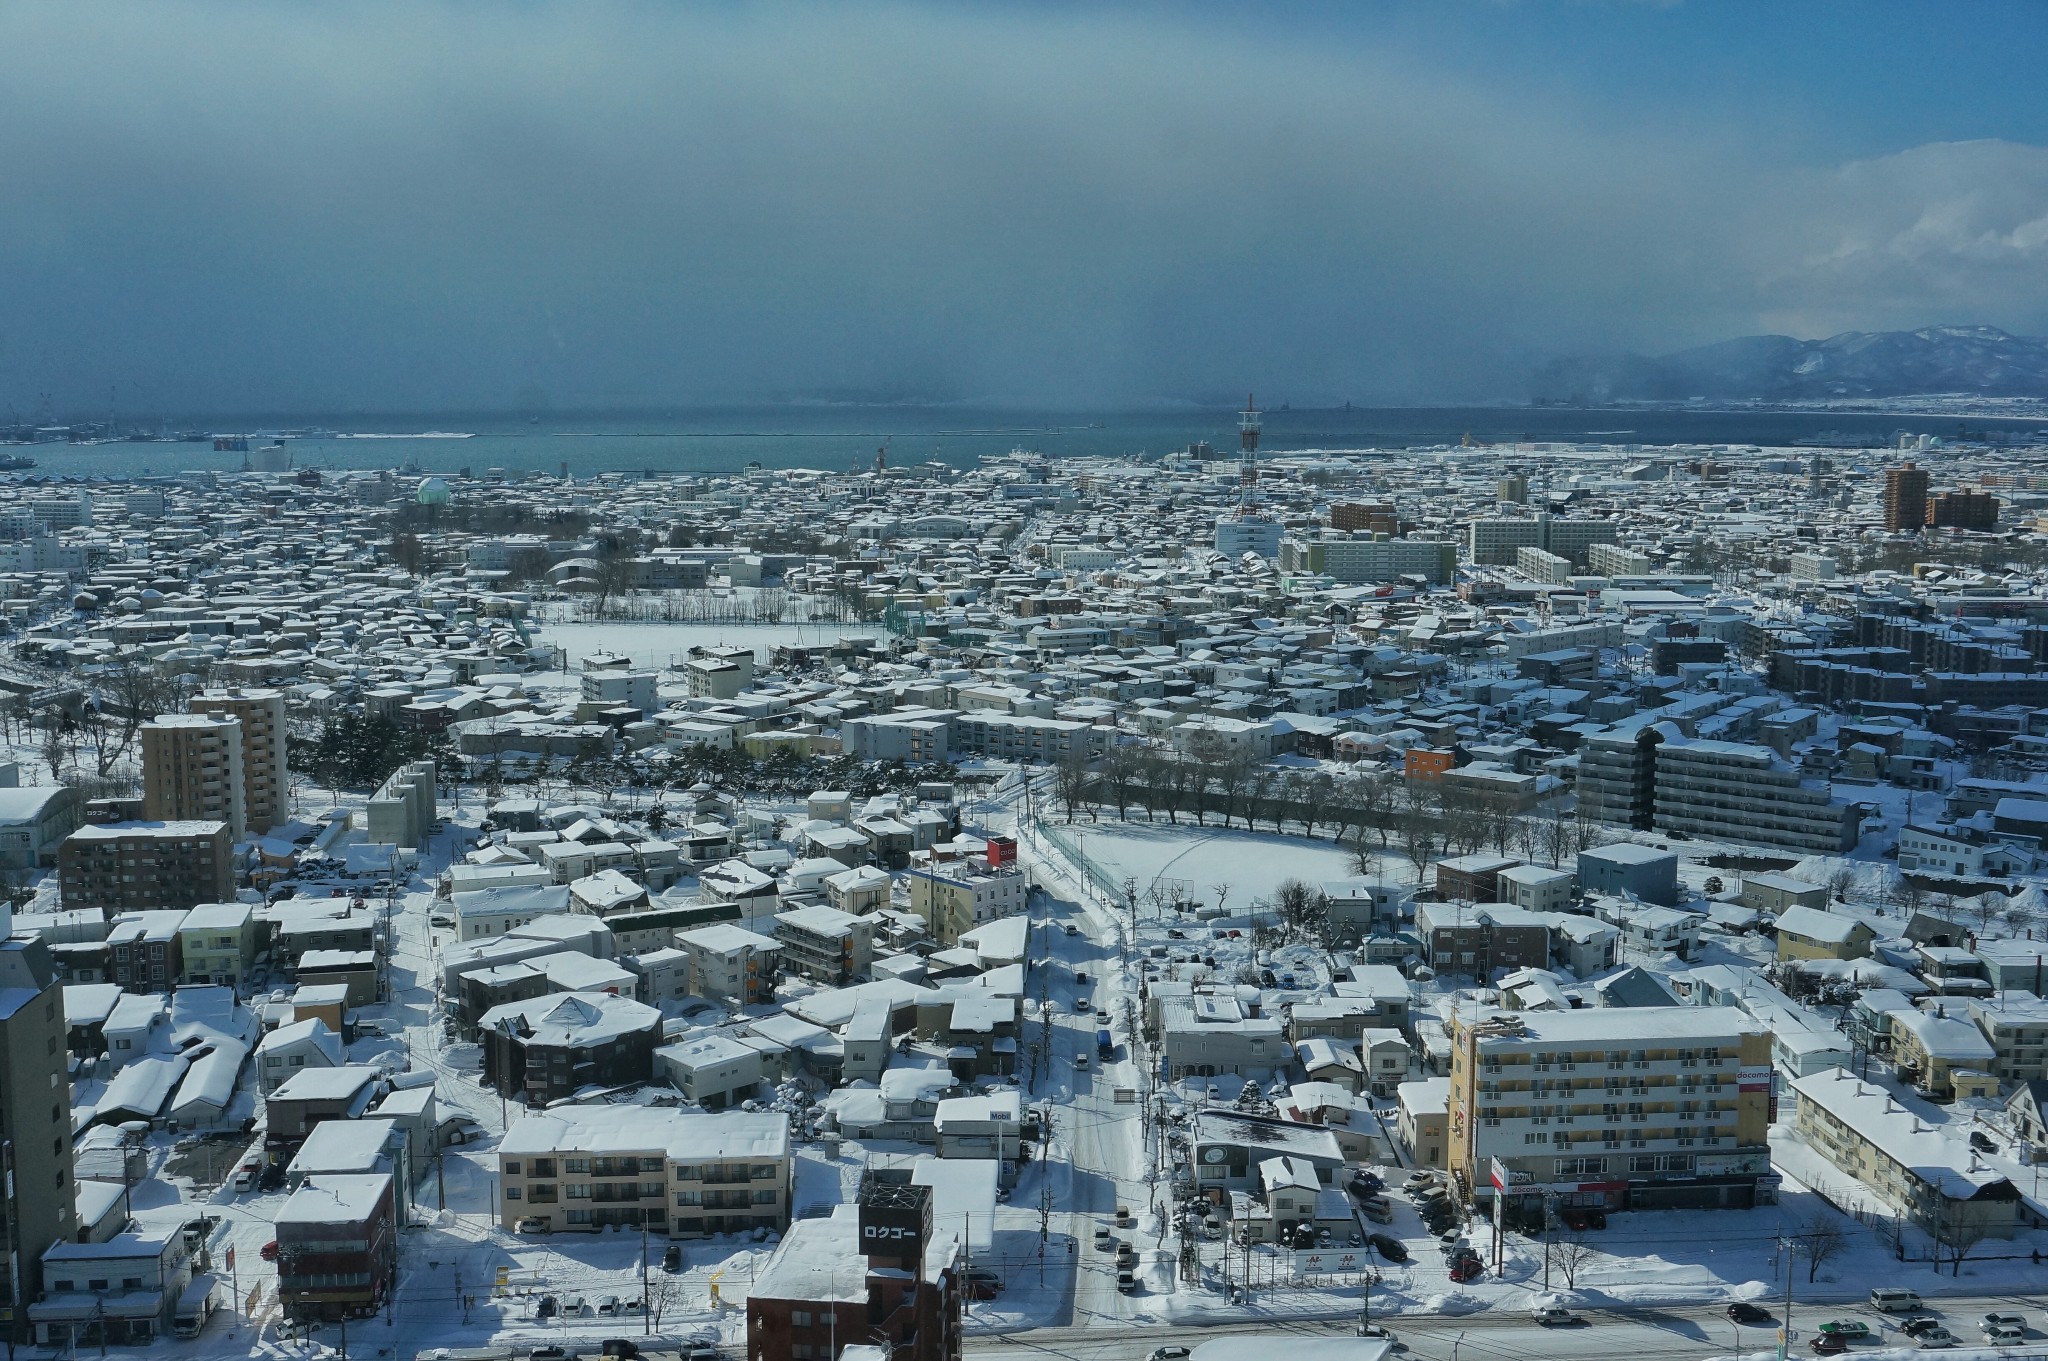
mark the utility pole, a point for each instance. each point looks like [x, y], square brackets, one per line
[1785, 1328]
[646, 1321]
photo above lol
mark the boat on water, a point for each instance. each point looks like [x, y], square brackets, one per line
[15, 463]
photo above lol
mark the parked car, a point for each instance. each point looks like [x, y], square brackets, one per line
[1829, 1344]
[672, 1260]
[1126, 1282]
[1169, 1354]
[1388, 1246]
[531, 1224]
[268, 1252]
[550, 1353]
[1466, 1269]
[1996, 1320]
[1913, 1327]
[1934, 1338]
[1576, 1220]
[1366, 1184]
[608, 1304]
[547, 1306]
[1417, 1180]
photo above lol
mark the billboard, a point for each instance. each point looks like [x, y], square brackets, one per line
[1757, 1079]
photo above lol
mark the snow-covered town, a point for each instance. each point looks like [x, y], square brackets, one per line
[1463, 901]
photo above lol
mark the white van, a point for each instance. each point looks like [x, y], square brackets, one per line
[1895, 1301]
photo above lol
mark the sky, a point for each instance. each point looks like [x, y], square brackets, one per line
[422, 206]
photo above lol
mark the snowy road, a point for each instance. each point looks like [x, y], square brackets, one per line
[1681, 1332]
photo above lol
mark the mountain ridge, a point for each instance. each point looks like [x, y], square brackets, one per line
[1976, 360]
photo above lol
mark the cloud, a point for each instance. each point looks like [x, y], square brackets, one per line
[440, 206]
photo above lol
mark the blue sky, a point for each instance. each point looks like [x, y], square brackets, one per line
[440, 206]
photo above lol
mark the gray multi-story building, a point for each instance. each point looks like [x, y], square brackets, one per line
[1739, 792]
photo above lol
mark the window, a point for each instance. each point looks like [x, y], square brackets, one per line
[689, 1197]
[570, 1165]
[799, 1318]
[543, 1167]
[764, 1197]
[510, 1167]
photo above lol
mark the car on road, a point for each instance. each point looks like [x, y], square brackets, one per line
[1934, 1338]
[1388, 1246]
[672, 1260]
[1364, 1184]
[1123, 1216]
[1829, 1344]
[1126, 1283]
[1554, 1316]
[1379, 1212]
[1466, 1269]
[1578, 1221]
[1848, 1329]
[547, 1306]
[1169, 1354]
[1742, 1311]
[268, 1252]
[1417, 1180]
[1104, 1240]
[1071, 929]
[549, 1353]
[531, 1224]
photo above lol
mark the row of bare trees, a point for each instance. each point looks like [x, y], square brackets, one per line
[1376, 812]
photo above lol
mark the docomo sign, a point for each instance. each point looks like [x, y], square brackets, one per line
[1756, 1079]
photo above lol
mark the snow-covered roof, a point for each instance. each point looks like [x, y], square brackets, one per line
[691, 1136]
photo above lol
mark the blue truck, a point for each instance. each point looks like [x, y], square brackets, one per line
[1105, 1046]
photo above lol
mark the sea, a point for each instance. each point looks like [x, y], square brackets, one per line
[840, 438]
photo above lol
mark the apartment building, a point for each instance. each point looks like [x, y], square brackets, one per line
[35, 1120]
[2015, 1024]
[217, 943]
[550, 1047]
[730, 962]
[192, 769]
[955, 896]
[1733, 791]
[1370, 558]
[1613, 1107]
[826, 944]
[1494, 540]
[1930, 1177]
[266, 791]
[1477, 939]
[124, 866]
[143, 951]
[685, 1174]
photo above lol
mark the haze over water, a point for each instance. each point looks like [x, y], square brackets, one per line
[837, 438]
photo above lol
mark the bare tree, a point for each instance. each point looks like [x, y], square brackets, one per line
[1070, 782]
[1957, 1229]
[1311, 794]
[1120, 775]
[1840, 882]
[1294, 901]
[1820, 1240]
[1570, 1252]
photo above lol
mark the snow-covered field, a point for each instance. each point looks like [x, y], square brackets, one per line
[1253, 864]
[659, 644]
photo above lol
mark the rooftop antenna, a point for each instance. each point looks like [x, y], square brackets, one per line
[1248, 423]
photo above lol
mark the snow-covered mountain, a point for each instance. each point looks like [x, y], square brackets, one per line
[1936, 359]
